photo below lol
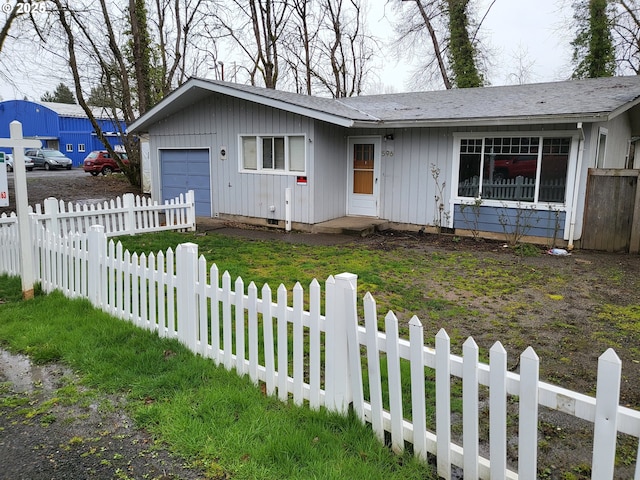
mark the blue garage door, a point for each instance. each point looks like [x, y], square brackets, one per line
[184, 170]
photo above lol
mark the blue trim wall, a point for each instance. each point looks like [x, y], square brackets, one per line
[41, 122]
[536, 223]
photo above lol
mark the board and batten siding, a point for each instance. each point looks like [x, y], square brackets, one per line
[218, 121]
[407, 186]
[618, 136]
[330, 173]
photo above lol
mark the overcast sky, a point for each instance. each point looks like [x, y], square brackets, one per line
[538, 28]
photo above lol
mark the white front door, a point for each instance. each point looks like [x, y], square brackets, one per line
[364, 171]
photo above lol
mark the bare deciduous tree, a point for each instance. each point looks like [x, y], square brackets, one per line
[345, 49]
[298, 48]
[626, 31]
[109, 56]
[422, 36]
[257, 27]
[176, 24]
[522, 66]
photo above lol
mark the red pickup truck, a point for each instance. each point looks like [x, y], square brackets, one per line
[99, 161]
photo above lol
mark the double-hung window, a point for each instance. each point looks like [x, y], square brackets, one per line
[520, 169]
[284, 154]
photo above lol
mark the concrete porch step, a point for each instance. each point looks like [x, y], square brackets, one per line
[358, 226]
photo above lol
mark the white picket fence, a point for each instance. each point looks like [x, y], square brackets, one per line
[177, 296]
[127, 215]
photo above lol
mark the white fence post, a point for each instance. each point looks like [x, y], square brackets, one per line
[528, 415]
[97, 251]
[52, 209]
[606, 421]
[128, 203]
[470, 409]
[337, 369]
[443, 403]
[416, 344]
[498, 410]
[191, 210]
[186, 275]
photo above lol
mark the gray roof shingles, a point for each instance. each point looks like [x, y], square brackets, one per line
[569, 98]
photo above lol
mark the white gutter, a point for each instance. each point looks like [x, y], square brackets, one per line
[576, 187]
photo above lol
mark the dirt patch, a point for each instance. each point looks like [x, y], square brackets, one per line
[579, 306]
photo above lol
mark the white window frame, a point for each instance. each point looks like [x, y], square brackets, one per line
[81, 147]
[259, 164]
[536, 205]
[69, 147]
[601, 147]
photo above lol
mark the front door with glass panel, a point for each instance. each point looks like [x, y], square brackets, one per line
[364, 168]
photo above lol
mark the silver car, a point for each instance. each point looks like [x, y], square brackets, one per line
[48, 158]
[8, 161]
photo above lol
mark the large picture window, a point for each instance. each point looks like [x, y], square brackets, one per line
[520, 169]
[273, 154]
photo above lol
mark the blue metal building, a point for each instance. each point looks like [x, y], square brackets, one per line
[60, 126]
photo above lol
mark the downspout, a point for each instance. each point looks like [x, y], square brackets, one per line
[576, 188]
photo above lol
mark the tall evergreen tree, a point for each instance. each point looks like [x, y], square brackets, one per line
[593, 51]
[462, 53]
[62, 94]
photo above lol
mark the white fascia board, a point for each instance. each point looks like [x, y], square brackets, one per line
[240, 94]
[481, 122]
[168, 100]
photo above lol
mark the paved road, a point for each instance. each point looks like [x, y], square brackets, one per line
[41, 172]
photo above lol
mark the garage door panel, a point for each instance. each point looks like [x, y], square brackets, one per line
[184, 170]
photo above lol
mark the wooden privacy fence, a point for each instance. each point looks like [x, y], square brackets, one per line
[612, 211]
[178, 296]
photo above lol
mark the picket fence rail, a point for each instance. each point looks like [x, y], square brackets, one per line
[127, 215]
[176, 295]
